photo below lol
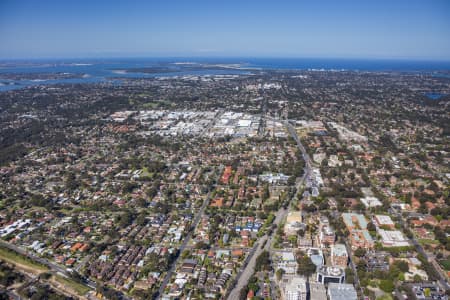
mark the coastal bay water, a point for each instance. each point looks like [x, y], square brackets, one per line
[434, 96]
[112, 70]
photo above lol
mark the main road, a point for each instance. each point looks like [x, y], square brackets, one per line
[293, 133]
[244, 275]
[355, 271]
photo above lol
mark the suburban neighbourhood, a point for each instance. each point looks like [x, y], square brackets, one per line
[272, 185]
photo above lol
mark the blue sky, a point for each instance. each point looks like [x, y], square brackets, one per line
[412, 29]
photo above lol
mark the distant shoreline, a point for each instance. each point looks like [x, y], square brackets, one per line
[152, 65]
[17, 75]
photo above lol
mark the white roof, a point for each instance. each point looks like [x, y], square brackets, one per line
[393, 238]
[371, 201]
[342, 291]
[244, 123]
[384, 220]
[339, 250]
[288, 256]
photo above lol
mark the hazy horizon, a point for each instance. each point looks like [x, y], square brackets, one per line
[234, 59]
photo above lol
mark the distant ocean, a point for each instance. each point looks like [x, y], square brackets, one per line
[350, 64]
[108, 70]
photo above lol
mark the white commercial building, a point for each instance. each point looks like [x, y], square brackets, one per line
[317, 291]
[393, 238]
[382, 220]
[288, 263]
[342, 291]
[371, 202]
[295, 289]
[331, 274]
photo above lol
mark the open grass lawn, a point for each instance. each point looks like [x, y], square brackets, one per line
[150, 105]
[27, 264]
[17, 259]
[146, 173]
[428, 241]
[77, 287]
[445, 264]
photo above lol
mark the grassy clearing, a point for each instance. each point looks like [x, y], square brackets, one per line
[446, 264]
[79, 288]
[150, 105]
[146, 173]
[26, 264]
[20, 260]
[428, 241]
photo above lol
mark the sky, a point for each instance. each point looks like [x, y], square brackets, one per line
[397, 29]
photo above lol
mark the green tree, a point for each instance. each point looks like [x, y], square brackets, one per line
[263, 262]
[279, 274]
[266, 192]
[387, 285]
[402, 265]
[360, 252]
[305, 265]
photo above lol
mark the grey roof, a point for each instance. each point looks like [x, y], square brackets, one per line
[342, 291]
